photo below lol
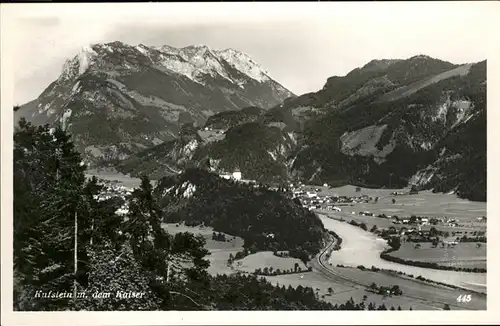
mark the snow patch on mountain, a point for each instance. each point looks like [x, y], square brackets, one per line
[144, 50]
[244, 64]
[201, 59]
[85, 58]
[77, 65]
[107, 48]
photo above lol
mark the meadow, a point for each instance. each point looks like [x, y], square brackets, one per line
[425, 203]
[267, 259]
[413, 290]
[463, 255]
[113, 175]
[342, 292]
[208, 136]
[219, 251]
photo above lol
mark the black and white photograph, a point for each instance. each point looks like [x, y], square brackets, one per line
[187, 157]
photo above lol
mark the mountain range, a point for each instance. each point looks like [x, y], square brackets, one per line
[117, 99]
[158, 110]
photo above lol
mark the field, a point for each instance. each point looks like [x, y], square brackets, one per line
[219, 251]
[343, 292]
[112, 175]
[414, 291]
[267, 259]
[210, 136]
[370, 221]
[463, 255]
[425, 203]
[417, 295]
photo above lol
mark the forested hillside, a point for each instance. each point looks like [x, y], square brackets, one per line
[411, 135]
[265, 219]
[53, 200]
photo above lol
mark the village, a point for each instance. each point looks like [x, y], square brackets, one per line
[410, 228]
[114, 189]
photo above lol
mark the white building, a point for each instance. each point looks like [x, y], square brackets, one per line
[311, 194]
[237, 175]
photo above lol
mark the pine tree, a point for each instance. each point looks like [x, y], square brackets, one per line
[163, 256]
[117, 272]
[48, 178]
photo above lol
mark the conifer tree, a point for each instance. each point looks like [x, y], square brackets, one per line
[48, 178]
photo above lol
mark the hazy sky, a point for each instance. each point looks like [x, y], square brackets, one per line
[300, 44]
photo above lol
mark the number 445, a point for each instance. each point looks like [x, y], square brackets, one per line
[464, 298]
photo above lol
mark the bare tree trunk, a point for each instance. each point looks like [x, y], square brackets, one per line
[168, 271]
[92, 233]
[76, 258]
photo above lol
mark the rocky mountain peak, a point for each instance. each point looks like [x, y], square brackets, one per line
[117, 99]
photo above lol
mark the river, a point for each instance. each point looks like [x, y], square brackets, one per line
[360, 247]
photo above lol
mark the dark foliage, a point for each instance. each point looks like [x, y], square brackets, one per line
[265, 219]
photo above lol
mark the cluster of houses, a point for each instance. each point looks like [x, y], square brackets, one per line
[112, 189]
[217, 131]
[311, 199]
[236, 175]
[415, 220]
[413, 191]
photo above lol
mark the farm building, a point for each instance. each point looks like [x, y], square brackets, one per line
[237, 174]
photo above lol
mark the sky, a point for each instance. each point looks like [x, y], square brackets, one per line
[299, 44]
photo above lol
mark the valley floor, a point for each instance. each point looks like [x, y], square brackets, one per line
[345, 282]
[339, 284]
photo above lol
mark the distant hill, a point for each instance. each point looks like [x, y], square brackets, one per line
[401, 134]
[228, 119]
[259, 151]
